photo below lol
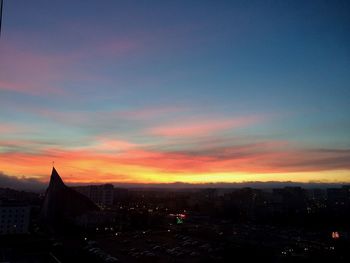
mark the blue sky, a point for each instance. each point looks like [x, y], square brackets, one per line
[169, 78]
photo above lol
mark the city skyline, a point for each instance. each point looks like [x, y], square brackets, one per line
[163, 92]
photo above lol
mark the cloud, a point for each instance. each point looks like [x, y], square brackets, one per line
[25, 146]
[29, 70]
[151, 112]
[9, 128]
[32, 184]
[113, 47]
[191, 128]
[118, 160]
[22, 183]
[84, 117]
[110, 145]
[313, 159]
[223, 185]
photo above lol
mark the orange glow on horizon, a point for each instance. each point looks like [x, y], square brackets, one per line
[126, 162]
[101, 171]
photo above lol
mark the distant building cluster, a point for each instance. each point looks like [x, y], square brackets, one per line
[101, 195]
[107, 224]
[338, 196]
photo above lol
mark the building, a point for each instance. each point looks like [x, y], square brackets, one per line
[338, 196]
[62, 204]
[14, 218]
[101, 195]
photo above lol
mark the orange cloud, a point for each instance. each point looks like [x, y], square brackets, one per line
[122, 161]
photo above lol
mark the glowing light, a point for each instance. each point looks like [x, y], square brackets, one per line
[335, 235]
[181, 215]
[179, 220]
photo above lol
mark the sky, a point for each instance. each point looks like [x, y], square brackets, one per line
[175, 91]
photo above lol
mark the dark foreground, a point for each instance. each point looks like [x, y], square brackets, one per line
[285, 225]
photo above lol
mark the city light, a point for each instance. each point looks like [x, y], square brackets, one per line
[335, 235]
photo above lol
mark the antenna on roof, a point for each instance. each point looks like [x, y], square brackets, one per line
[53, 163]
[1, 5]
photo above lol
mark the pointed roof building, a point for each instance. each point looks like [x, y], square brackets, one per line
[63, 204]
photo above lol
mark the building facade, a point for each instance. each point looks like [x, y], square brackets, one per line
[101, 195]
[14, 219]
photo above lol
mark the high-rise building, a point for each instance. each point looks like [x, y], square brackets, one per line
[101, 195]
[14, 218]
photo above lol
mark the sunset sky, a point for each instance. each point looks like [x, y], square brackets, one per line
[175, 91]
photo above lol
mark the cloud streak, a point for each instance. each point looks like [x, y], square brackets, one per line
[129, 162]
[39, 72]
[21, 183]
[205, 127]
[28, 72]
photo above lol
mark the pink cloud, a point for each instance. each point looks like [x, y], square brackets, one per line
[112, 145]
[35, 72]
[29, 72]
[206, 127]
[150, 112]
[12, 86]
[29, 88]
[7, 128]
[116, 46]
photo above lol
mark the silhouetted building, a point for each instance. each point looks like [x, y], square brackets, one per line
[338, 196]
[19, 196]
[14, 218]
[120, 194]
[293, 196]
[62, 204]
[317, 194]
[101, 195]
[347, 190]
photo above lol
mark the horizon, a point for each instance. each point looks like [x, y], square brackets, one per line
[30, 184]
[167, 93]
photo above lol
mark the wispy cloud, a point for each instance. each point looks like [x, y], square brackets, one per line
[109, 159]
[202, 127]
[9, 128]
[38, 72]
[104, 145]
[148, 113]
[28, 72]
[21, 183]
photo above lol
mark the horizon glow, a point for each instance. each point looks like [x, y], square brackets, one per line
[162, 92]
